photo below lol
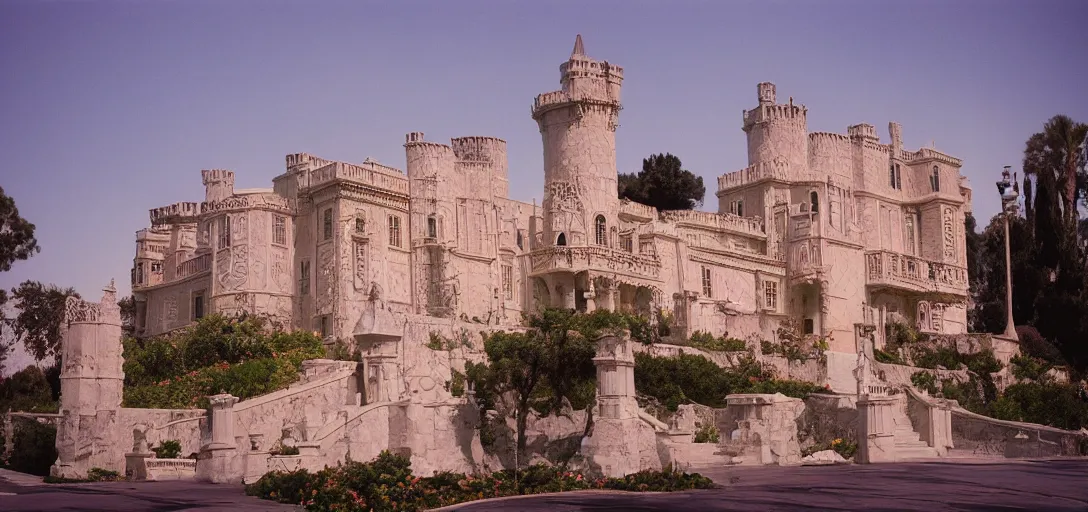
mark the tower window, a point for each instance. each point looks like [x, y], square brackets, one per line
[935, 179]
[432, 227]
[304, 277]
[814, 198]
[895, 177]
[327, 224]
[519, 240]
[394, 231]
[601, 230]
[224, 231]
[508, 281]
[156, 267]
[708, 292]
[279, 230]
[561, 239]
[770, 295]
[139, 273]
[737, 208]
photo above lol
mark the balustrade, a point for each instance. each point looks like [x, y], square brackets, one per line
[913, 273]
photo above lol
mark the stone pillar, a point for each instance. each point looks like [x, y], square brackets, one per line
[218, 461]
[938, 432]
[876, 429]
[91, 382]
[621, 443]
[136, 461]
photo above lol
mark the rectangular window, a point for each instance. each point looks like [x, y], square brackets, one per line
[909, 221]
[627, 243]
[139, 273]
[326, 222]
[432, 227]
[394, 231]
[508, 281]
[323, 323]
[809, 326]
[737, 208]
[279, 230]
[198, 306]
[224, 231]
[770, 295]
[935, 179]
[156, 267]
[707, 290]
[304, 278]
[360, 225]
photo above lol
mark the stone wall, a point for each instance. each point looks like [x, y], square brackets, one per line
[981, 436]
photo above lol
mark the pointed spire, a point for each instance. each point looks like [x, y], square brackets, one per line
[579, 50]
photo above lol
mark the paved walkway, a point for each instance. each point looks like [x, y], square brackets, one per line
[1057, 485]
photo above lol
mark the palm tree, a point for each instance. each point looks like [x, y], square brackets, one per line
[1054, 157]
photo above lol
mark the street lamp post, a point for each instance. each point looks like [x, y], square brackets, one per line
[1009, 190]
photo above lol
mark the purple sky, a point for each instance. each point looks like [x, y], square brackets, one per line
[111, 108]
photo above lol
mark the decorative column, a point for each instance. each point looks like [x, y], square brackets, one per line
[614, 447]
[218, 461]
[1009, 190]
[876, 425]
[91, 382]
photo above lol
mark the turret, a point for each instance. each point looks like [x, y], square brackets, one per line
[577, 124]
[776, 131]
[218, 184]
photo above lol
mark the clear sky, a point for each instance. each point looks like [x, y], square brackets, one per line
[111, 108]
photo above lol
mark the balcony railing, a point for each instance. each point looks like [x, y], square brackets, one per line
[886, 268]
[603, 259]
[194, 266]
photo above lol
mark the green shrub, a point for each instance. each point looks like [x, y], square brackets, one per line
[925, 381]
[1030, 368]
[35, 447]
[707, 434]
[1045, 403]
[387, 484]
[217, 355]
[169, 449]
[706, 341]
[887, 357]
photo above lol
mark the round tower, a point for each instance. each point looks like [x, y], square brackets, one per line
[218, 184]
[578, 124]
[776, 131]
[432, 184]
[488, 156]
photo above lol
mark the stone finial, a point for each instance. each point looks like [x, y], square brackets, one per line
[579, 49]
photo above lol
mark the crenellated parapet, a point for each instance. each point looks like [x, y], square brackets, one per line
[772, 170]
[727, 222]
[218, 184]
[177, 213]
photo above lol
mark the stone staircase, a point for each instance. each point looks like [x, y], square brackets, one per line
[908, 443]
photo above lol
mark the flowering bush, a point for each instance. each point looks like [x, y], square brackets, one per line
[217, 355]
[844, 447]
[387, 484]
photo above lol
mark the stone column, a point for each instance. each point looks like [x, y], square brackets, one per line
[615, 447]
[876, 429]
[218, 461]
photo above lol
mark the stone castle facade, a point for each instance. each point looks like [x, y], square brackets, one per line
[828, 229]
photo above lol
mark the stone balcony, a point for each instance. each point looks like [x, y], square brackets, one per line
[886, 269]
[599, 259]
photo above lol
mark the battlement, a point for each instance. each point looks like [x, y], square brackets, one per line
[769, 113]
[751, 226]
[478, 148]
[413, 137]
[776, 169]
[863, 131]
[370, 174]
[210, 176]
[828, 137]
[175, 213]
[297, 159]
[925, 154]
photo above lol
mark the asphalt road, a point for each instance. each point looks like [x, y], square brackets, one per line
[1059, 485]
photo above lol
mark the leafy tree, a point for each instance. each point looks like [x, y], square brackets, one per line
[128, 315]
[664, 184]
[17, 240]
[550, 362]
[41, 312]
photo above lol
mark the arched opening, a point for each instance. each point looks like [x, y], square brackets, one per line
[814, 199]
[601, 230]
[561, 239]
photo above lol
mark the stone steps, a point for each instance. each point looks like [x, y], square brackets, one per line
[908, 442]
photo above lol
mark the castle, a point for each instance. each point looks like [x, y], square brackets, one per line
[830, 230]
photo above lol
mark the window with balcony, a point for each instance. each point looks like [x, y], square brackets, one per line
[394, 231]
[432, 227]
[601, 230]
[935, 179]
[708, 291]
[627, 243]
[326, 222]
[279, 230]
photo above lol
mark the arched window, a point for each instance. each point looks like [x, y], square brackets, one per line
[935, 179]
[601, 230]
[814, 198]
[561, 239]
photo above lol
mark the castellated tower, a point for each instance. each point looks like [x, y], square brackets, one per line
[578, 124]
[776, 131]
[218, 184]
